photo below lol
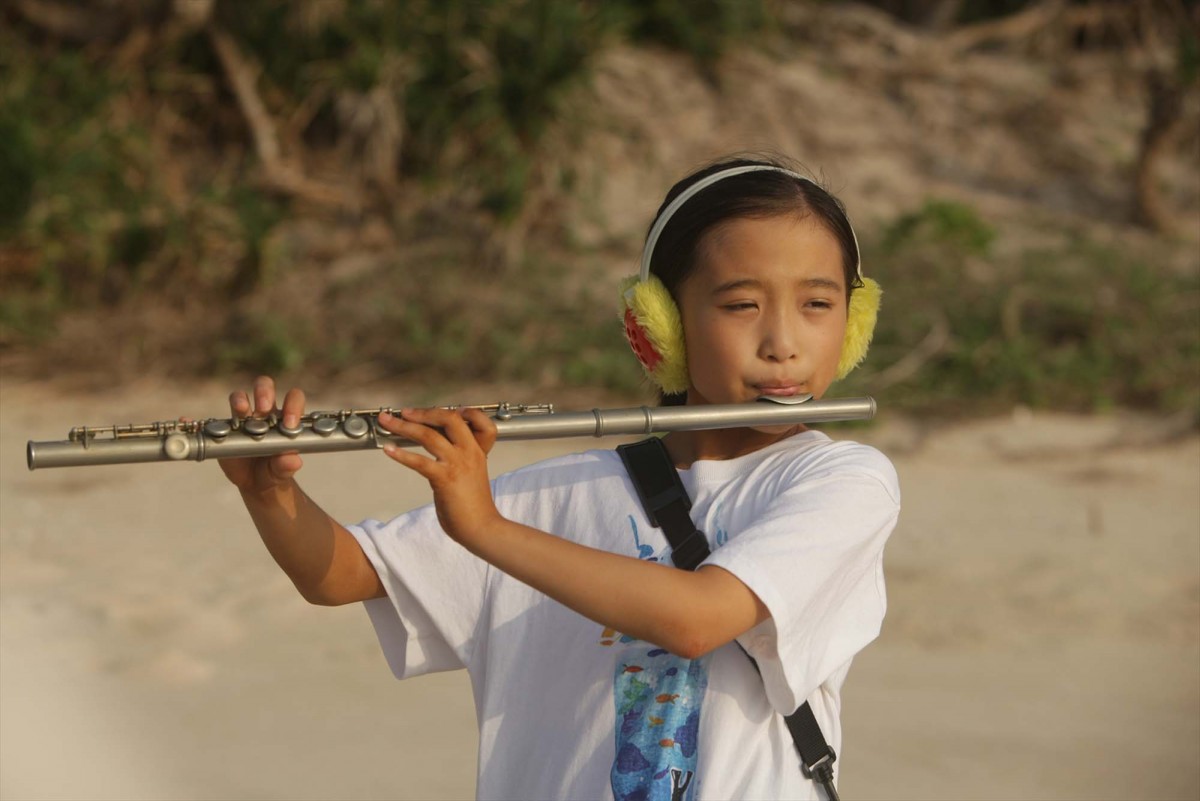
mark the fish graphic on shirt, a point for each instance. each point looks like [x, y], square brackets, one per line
[658, 724]
[658, 699]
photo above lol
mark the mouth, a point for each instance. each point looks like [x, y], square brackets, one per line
[779, 390]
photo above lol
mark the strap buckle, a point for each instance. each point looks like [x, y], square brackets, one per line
[822, 768]
[692, 551]
[659, 503]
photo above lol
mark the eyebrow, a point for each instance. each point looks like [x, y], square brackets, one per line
[752, 283]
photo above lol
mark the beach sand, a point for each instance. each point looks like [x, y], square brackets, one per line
[1042, 640]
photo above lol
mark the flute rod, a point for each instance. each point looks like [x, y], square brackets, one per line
[360, 431]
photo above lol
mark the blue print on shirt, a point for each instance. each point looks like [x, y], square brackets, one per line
[721, 535]
[645, 551]
[658, 698]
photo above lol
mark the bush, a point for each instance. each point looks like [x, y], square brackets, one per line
[86, 138]
[1080, 326]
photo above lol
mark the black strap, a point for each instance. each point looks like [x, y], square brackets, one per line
[665, 500]
[667, 506]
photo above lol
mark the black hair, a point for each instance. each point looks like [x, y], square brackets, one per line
[760, 194]
[751, 195]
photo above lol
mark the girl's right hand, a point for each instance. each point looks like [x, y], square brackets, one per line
[263, 473]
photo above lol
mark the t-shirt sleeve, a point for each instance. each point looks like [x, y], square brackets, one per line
[814, 557]
[435, 593]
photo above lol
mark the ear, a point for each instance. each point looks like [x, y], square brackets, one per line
[860, 325]
[654, 330]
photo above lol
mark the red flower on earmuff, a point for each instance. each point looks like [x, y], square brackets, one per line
[645, 351]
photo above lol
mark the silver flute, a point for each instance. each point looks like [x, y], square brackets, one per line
[359, 429]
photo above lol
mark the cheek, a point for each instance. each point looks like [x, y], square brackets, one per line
[825, 339]
[695, 329]
[837, 333]
[708, 333]
[709, 344]
[833, 340]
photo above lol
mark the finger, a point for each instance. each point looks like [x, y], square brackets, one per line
[483, 428]
[285, 466]
[392, 423]
[264, 395]
[414, 461]
[293, 407]
[454, 428]
[428, 438]
[239, 404]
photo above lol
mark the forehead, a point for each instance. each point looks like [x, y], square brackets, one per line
[775, 249]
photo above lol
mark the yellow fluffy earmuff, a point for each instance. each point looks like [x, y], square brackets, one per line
[655, 332]
[860, 324]
[654, 328]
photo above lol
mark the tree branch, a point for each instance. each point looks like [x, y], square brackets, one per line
[70, 21]
[1021, 25]
[934, 343]
[278, 173]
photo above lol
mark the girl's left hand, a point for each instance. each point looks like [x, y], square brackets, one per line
[458, 441]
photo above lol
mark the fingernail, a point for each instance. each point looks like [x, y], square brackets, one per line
[290, 420]
[389, 449]
[385, 416]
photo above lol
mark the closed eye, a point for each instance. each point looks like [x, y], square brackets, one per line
[741, 306]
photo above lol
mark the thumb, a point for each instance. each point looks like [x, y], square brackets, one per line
[283, 467]
[483, 428]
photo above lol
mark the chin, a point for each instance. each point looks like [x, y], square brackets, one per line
[774, 431]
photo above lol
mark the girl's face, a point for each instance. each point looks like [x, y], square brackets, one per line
[764, 311]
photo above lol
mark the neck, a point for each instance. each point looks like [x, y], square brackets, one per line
[688, 447]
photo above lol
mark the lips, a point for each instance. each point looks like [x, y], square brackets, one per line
[779, 390]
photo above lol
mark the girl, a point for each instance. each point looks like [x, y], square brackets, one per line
[599, 670]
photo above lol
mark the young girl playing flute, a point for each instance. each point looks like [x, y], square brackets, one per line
[599, 669]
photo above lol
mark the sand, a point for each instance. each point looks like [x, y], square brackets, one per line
[1042, 641]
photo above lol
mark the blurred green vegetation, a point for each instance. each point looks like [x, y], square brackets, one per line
[1080, 325]
[130, 180]
[429, 320]
[87, 217]
[478, 80]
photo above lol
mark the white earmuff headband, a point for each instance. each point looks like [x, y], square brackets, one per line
[661, 223]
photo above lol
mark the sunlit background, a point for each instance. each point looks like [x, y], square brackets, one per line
[419, 202]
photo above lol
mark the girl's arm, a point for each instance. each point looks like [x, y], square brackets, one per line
[319, 555]
[688, 613]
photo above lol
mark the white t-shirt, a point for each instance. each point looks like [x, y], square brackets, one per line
[571, 710]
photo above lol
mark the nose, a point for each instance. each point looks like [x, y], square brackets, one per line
[779, 341]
